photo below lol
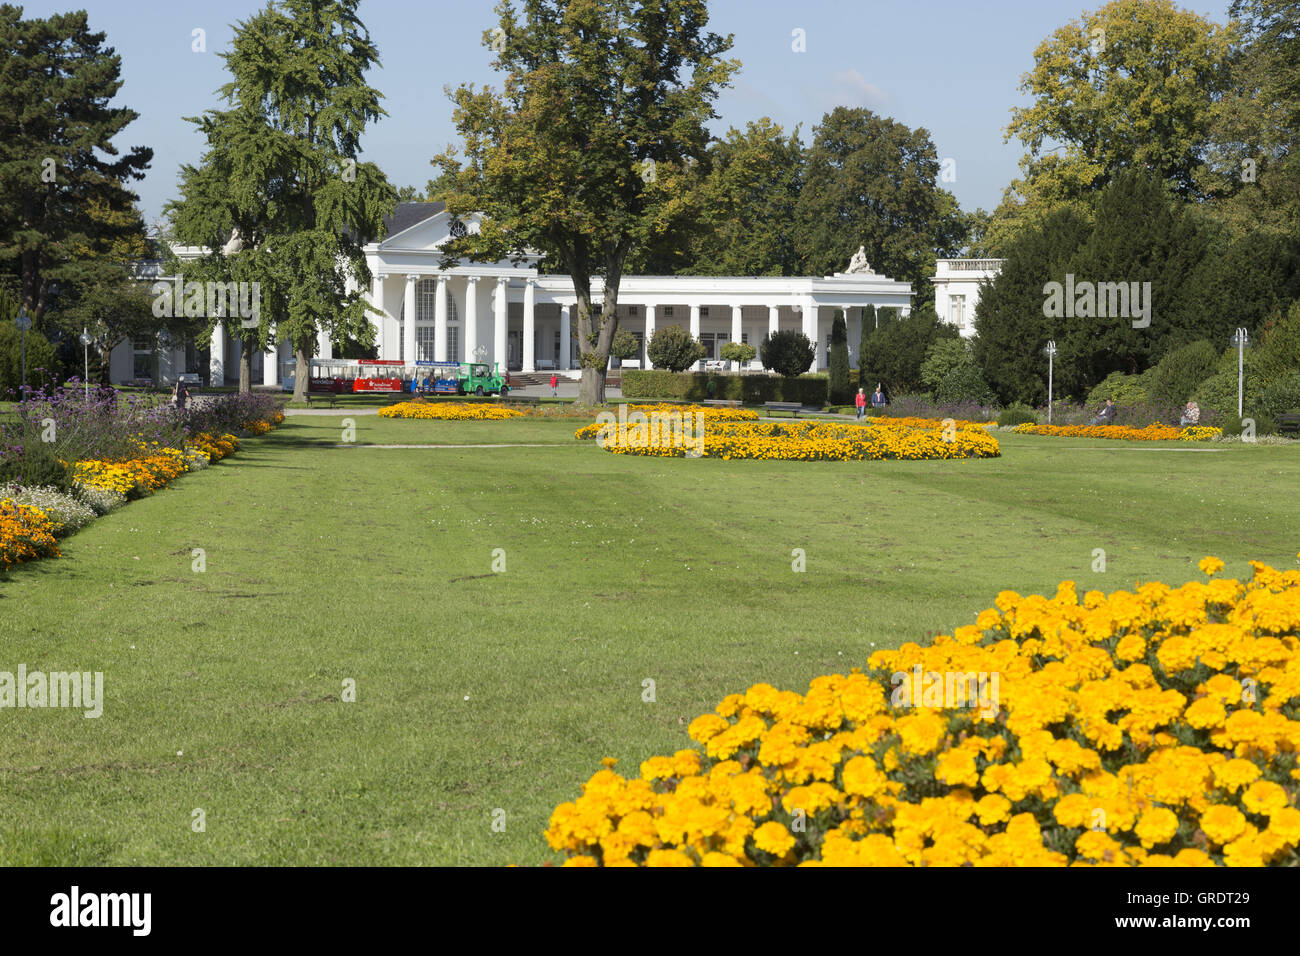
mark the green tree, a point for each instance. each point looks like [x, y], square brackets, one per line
[894, 353]
[739, 352]
[62, 179]
[869, 323]
[870, 181]
[624, 345]
[281, 175]
[942, 359]
[787, 352]
[838, 363]
[747, 204]
[1130, 85]
[672, 347]
[583, 154]
[1011, 330]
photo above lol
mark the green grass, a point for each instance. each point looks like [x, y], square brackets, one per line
[326, 563]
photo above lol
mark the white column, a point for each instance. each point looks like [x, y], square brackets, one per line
[439, 324]
[499, 325]
[736, 330]
[408, 319]
[471, 317]
[217, 361]
[773, 319]
[377, 320]
[810, 330]
[695, 329]
[530, 326]
[566, 336]
[649, 334]
[324, 347]
[270, 366]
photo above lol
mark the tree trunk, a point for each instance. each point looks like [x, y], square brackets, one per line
[592, 389]
[301, 371]
[245, 367]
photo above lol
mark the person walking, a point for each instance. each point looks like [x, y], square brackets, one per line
[555, 381]
[860, 400]
[878, 397]
[180, 394]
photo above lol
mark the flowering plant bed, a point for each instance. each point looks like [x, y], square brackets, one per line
[794, 441]
[1156, 432]
[449, 411]
[1157, 727]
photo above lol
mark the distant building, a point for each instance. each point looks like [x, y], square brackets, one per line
[957, 289]
[508, 312]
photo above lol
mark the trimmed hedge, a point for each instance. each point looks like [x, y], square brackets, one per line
[750, 389]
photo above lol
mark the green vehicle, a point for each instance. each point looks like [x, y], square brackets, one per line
[477, 378]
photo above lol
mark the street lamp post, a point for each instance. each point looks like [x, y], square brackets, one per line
[1050, 351]
[24, 322]
[85, 346]
[1240, 338]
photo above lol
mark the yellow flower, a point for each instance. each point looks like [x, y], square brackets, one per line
[1210, 566]
[773, 838]
[1157, 825]
[1222, 823]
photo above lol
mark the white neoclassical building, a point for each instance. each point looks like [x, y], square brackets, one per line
[509, 313]
[957, 285]
[528, 321]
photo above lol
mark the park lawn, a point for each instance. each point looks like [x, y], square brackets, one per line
[479, 692]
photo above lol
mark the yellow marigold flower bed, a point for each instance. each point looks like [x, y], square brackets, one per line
[132, 477]
[216, 447]
[1155, 432]
[709, 414]
[449, 411]
[794, 441]
[256, 427]
[25, 534]
[904, 421]
[1154, 727]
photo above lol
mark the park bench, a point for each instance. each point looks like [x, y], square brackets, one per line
[331, 397]
[794, 408]
[722, 402]
[1288, 423]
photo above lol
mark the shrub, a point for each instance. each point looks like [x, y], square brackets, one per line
[1125, 389]
[42, 364]
[1017, 414]
[662, 385]
[964, 383]
[624, 345]
[920, 406]
[787, 353]
[838, 366]
[1176, 376]
[1282, 396]
[739, 352]
[673, 348]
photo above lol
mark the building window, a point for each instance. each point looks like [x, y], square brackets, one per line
[957, 307]
[424, 343]
[631, 310]
[668, 312]
[453, 343]
[704, 312]
[426, 297]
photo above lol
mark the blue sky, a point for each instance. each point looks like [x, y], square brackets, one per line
[952, 66]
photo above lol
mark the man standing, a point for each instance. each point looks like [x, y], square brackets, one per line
[878, 397]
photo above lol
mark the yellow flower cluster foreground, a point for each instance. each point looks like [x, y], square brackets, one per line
[449, 411]
[1154, 432]
[1154, 727]
[216, 447]
[25, 533]
[794, 441]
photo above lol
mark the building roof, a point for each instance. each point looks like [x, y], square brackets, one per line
[408, 214]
